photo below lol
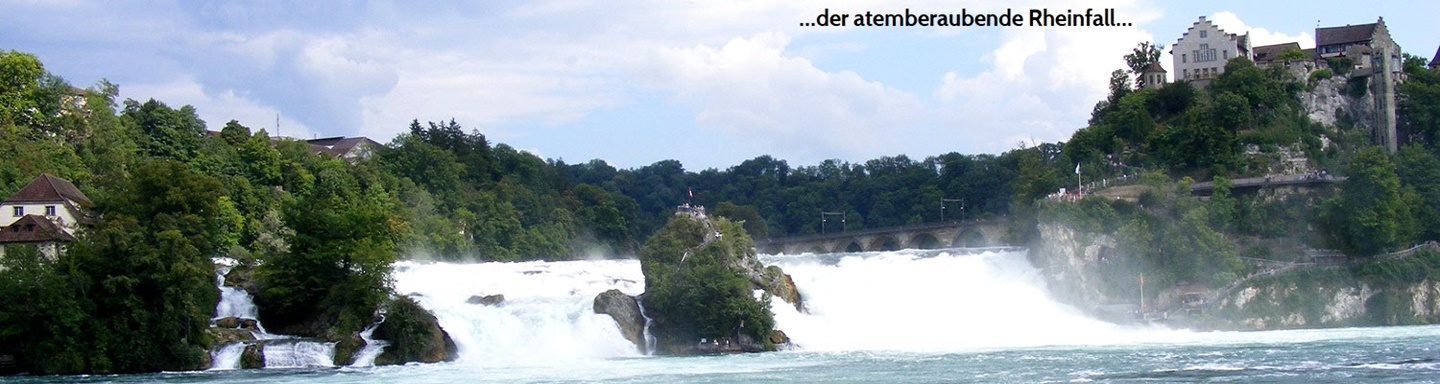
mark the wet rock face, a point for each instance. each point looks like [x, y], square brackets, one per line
[626, 312]
[414, 335]
[491, 300]
[781, 285]
[253, 357]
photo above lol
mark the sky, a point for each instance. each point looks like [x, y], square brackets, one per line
[708, 83]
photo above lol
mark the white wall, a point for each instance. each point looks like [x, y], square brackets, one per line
[63, 215]
[1188, 66]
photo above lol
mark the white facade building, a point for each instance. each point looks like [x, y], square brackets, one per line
[1201, 53]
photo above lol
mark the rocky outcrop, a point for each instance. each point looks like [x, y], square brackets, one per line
[414, 335]
[253, 357]
[491, 300]
[243, 277]
[779, 284]
[1070, 260]
[222, 336]
[626, 312]
[700, 278]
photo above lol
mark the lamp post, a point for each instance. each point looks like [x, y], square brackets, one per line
[822, 220]
[942, 207]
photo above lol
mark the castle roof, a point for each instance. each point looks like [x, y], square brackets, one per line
[1434, 63]
[48, 188]
[1153, 67]
[1270, 52]
[33, 229]
[1344, 35]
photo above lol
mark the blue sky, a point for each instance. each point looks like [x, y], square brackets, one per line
[709, 83]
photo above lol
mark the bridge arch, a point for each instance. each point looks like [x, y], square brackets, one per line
[970, 237]
[884, 243]
[852, 247]
[924, 240]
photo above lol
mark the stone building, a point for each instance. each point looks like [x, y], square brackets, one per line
[1376, 56]
[1201, 53]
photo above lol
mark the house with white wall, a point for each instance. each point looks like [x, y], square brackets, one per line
[45, 213]
[1201, 53]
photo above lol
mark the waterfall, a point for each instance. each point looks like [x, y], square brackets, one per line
[929, 301]
[547, 317]
[227, 356]
[923, 301]
[366, 356]
[649, 338]
[281, 351]
[299, 354]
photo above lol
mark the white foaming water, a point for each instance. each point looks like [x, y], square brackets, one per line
[917, 301]
[546, 319]
[283, 353]
[366, 356]
[928, 301]
[299, 354]
[227, 357]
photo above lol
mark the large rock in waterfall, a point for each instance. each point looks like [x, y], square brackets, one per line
[626, 312]
[701, 274]
[414, 335]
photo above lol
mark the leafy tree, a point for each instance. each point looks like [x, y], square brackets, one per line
[1142, 56]
[1419, 168]
[20, 75]
[146, 270]
[1417, 102]
[169, 133]
[337, 268]
[1372, 214]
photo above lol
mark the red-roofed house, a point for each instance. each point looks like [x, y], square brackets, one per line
[45, 212]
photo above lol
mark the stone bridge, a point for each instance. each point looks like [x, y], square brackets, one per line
[969, 233]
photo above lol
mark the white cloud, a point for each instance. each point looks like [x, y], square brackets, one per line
[754, 91]
[1230, 22]
[1041, 83]
[218, 109]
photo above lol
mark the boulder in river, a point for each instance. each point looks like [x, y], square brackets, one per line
[626, 312]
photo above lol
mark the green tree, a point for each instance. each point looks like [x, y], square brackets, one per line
[1142, 56]
[147, 272]
[1417, 101]
[1372, 214]
[1418, 168]
[20, 75]
[337, 268]
[169, 133]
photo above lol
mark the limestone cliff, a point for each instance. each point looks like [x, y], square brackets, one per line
[1071, 262]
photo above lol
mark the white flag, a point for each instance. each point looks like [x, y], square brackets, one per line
[1077, 168]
